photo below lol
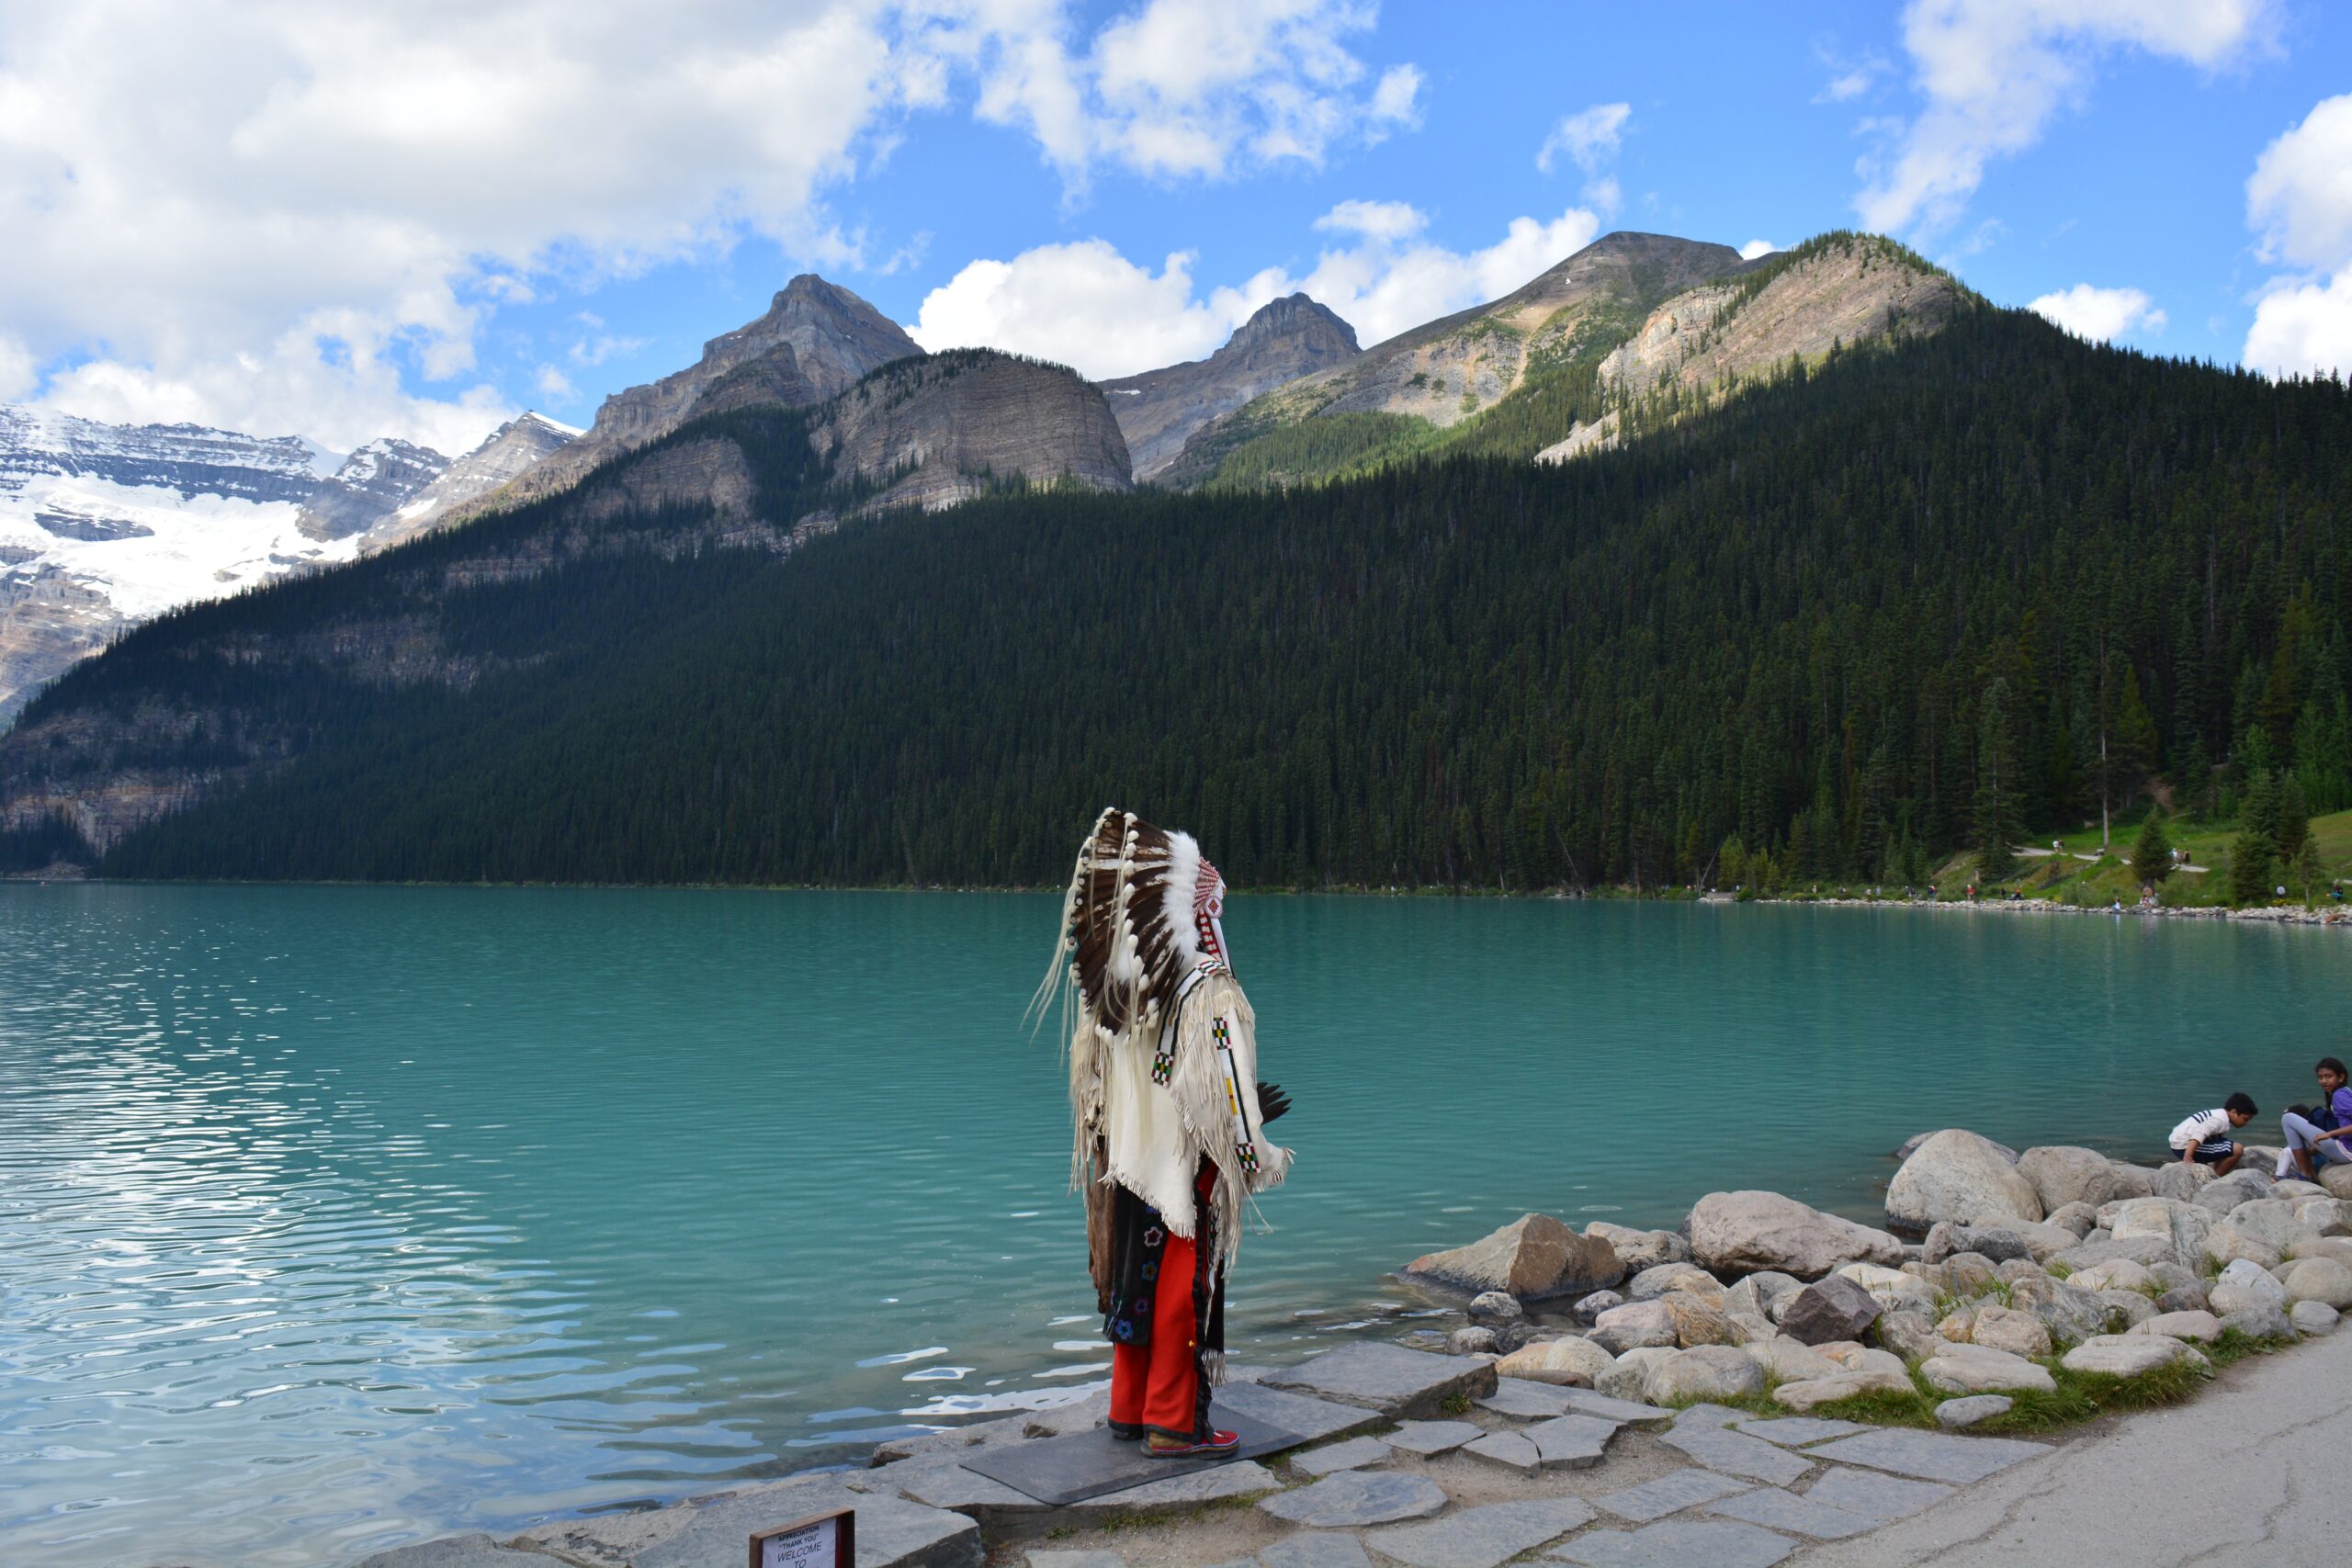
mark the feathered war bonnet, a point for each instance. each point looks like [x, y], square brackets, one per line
[1163, 1043]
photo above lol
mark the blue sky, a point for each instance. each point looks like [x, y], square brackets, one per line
[420, 219]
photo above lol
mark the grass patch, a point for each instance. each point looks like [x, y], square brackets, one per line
[2086, 1397]
[2235, 1345]
[1457, 1403]
[1882, 1407]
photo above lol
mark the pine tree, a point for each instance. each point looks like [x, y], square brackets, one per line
[2255, 849]
[2294, 819]
[2193, 777]
[2152, 853]
[2134, 744]
[1995, 817]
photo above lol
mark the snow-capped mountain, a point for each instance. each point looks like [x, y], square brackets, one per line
[373, 482]
[104, 525]
[513, 447]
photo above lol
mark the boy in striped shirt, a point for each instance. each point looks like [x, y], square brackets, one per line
[2204, 1138]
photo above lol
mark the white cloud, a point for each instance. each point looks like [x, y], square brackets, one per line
[1179, 88]
[1994, 73]
[262, 212]
[19, 373]
[555, 386]
[1590, 136]
[2299, 200]
[2303, 329]
[1085, 305]
[2300, 196]
[1388, 222]
[2098, 314]
[1755, 248]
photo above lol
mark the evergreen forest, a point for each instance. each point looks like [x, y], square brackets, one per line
[1950, 593]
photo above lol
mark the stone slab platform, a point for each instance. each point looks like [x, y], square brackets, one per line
[1390, 1379]
[1061, 1470]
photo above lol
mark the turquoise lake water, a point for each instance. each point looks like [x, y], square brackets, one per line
[331, 1218]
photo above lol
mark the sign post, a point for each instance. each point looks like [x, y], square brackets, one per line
[820, 1540]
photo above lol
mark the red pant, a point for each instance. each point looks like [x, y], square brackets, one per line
[1158, 1385]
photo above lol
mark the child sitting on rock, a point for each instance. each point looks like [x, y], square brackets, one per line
[2203, 1139]
[2316, 1134]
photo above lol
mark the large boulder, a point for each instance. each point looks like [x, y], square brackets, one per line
[1640, 1250]
[1979, 1369]
[1636, 1326]
[2247, 1184]
[1957, 1176]
[2228, 1241]
[2319, 1279]
[1535, 1258]
[1739, 1233]
[2120, 1274]
[2278, 1225]
[2009, 1330]
[1711, 1372]
[2128, 1355]
[1568, 1362]
[2336, 1178]
[1790, 1360]
[1660, 1278]
[1697, 1321]
[2201, 1326]
[1805, 1396]
[2063, 1175]
[2182, 1226]
[2070, 1314]
[1911, 1334]
[2263, 1320]
[1829, 1310]
[2132, 1307]
[2181, 1179]
[1629, 1378]
[2313, 1317]
[2329, 1216]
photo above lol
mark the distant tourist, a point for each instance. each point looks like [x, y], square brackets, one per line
[2316, 1134]
[2203, 1138]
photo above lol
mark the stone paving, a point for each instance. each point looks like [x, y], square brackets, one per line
[1414, 1460]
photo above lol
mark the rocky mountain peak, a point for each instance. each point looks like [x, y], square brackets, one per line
[1293, 315]
[376, 481]
[1285, 340]
[814, 342]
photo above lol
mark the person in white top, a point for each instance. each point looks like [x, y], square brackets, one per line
[2204, 1138]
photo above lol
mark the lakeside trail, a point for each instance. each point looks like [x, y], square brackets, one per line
[2251, 1472]
[2334, 915]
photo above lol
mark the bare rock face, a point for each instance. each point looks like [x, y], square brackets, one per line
[373, 482]
[955, 426]
[1534, 1258]
[1733, 329]
[835, 338]
[1741, 1232]
[517, 444]
[1158, 410]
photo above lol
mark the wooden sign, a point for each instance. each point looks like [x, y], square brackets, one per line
[820, 1540]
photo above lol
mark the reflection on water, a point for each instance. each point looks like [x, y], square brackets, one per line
[331, 1218]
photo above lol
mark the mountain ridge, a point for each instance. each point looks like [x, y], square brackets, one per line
[1284, 339]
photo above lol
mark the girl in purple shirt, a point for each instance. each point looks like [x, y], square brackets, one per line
[2316, 1134]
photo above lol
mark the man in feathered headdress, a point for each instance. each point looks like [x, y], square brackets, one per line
[1170, 1119]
